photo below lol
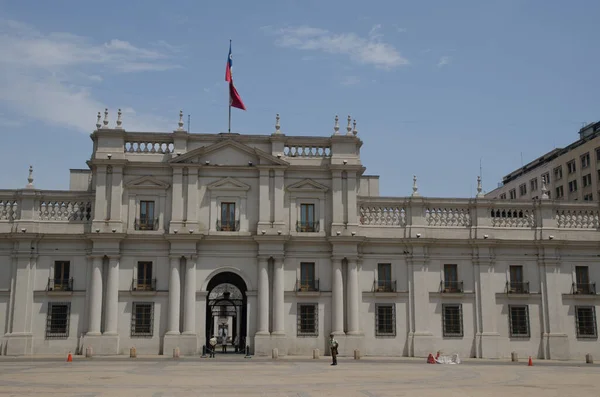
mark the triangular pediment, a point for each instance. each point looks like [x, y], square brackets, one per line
[307, 185]
[228, 184]
[228, 153]
[147, 182]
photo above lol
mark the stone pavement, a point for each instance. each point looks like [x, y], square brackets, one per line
[236, 376]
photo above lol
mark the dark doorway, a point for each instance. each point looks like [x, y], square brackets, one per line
[227, 313]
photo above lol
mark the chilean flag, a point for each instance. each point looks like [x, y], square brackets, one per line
[229, 65]
[235, 100]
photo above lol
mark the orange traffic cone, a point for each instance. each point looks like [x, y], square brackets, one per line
[70, 358]
[530, 362]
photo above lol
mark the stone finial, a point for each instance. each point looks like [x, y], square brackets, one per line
[105, 118]
[544, 189]
[277, 126]
[354, 130]
[119, 121]
[349, 127]
[98, 124]
[479, 188]
[30, 178]
[415, 192]
[180, 122]
[336, 127]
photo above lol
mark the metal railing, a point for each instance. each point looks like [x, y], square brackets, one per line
[228, 226]
[384, 286]
[146, 224]
[584, 288]
[307, 285]
[451, 286]
[517, 287]
[60, 284]
[143, 284]
[307, 227]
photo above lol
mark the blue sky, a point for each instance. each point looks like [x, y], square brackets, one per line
[435, 86]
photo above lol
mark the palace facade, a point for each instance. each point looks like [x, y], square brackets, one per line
[276, 241]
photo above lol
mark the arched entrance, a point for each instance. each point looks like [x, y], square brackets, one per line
[226, 312]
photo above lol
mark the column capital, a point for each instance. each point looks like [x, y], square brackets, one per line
[114, 257]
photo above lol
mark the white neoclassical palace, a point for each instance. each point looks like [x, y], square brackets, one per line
[276, 241]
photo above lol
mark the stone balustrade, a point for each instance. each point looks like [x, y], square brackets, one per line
[9, 209]
[308, 151]
[141, 143]
[65, 209]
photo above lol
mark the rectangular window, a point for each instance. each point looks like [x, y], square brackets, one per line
[142, 319]
[533, 184]
[573, 186]
[62, 278]
[452, 321]
[598, 154]
[307, 218]
[522, 189]
[513, 194]
[385, 319]
[57, 321]
[585, 160]
[503, 196]
[517, 284]
[147, 221]
[588, 197]
[519, 321]
[585, 320]
[546, 177]
[559, 192]
[571, 168]
[582, 281]
[228, 223]
[144, 276]
[308, 319]
[384, 278]
[307, 277]
[451, 283]
[587, 180]
[558, 173]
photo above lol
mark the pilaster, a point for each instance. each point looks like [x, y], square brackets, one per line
[337, 297]
[423, 342]
[192, 199]
[101, 202]
[278, 195]
[177, 201]
[116, 199]
[557, 339]
[20, 339]
[488, 338]
[337, 198]
[264, 206]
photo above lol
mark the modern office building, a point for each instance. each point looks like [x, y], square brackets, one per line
[275, 241]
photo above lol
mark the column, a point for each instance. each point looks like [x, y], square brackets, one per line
[116, 198]
[337, 298]
[189, 321]
[174, 297]
[263, 296]
[278, 298]
[112, 297]
[177, 202]
[100, 202]
[353, 297]
[95, 297]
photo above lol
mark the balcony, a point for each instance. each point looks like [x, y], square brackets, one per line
[143, 285]
[384, 286]
[451, 287]
[228, 226]
[60, 285]
[584, 288]
[146, 224]
[307, 285]
[307, 227]
[517, 287]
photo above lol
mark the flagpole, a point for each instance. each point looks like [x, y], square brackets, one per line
[229, 129]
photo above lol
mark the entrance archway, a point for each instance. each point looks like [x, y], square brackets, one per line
[226, 312]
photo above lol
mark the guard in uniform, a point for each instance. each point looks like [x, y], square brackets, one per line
[213, 345]
[333, 346]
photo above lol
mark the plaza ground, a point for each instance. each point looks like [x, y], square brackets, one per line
[293, 376]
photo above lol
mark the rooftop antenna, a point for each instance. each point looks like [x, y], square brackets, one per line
[189, 132]
[480, 170]
[521, 159]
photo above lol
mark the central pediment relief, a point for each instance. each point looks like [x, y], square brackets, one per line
[147, 182]
[307, 185]
[228, 184]
[228, 153]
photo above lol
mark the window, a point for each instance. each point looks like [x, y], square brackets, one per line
[571, 168]
[513, 194]
[142, 319]
[585, 160]
[585, 321]
[228, 223]
[598, 154]
[546, 177]
[385, 319]
[57, 322]
[533, 184]
[384, 278]
[588, 197]
[61, 280]
[582, 281]
[517, 285]
[452, 322]
[308, 319]
[519, 321]
[451, 283]
[144, 277]
[573, 186]
[587, 180]
[307, 277]
[503, 196]
[522, 189]
[558, 173]
[559, 192]
[146, 221]
[307, 218]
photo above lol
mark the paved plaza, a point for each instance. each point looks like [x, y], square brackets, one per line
[225, 376]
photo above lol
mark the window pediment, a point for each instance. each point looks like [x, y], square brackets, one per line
[147, 182]
[307, 185]
[229, 184]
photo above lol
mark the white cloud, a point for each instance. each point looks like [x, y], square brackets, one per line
[369, 50]
[445, 60]
[46, 76]
[350, 80]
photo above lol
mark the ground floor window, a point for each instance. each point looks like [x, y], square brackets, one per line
[452, 321]
[519, 321]
[385, 319]
[142, 319]
[585, 320]
[308, 319]
[57, 321]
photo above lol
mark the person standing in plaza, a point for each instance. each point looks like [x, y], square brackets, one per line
[333, 347]
[213, 345]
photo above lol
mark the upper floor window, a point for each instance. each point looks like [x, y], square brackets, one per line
[517, 284]
[228, 222]
[146, 220]
[534, 184]
[523, 189]
[571, 167]
[62, 277]
[588, 197]
[546, 177]
[513, 194]
[307, 218]
[558, 173]
[451, 283]
[384, 278]
[308, 282]
[587, 180]
[598, 154]
[559, 192]
[573, 186]
[503, 196]
[144, 281]
[582, 281]
[585, 160]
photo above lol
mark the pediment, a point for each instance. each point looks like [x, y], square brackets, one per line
[147, 182]
[228, 184]
[307, 185]
[228, 153]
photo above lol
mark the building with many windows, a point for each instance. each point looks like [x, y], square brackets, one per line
[276, 241]
[571, 173]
